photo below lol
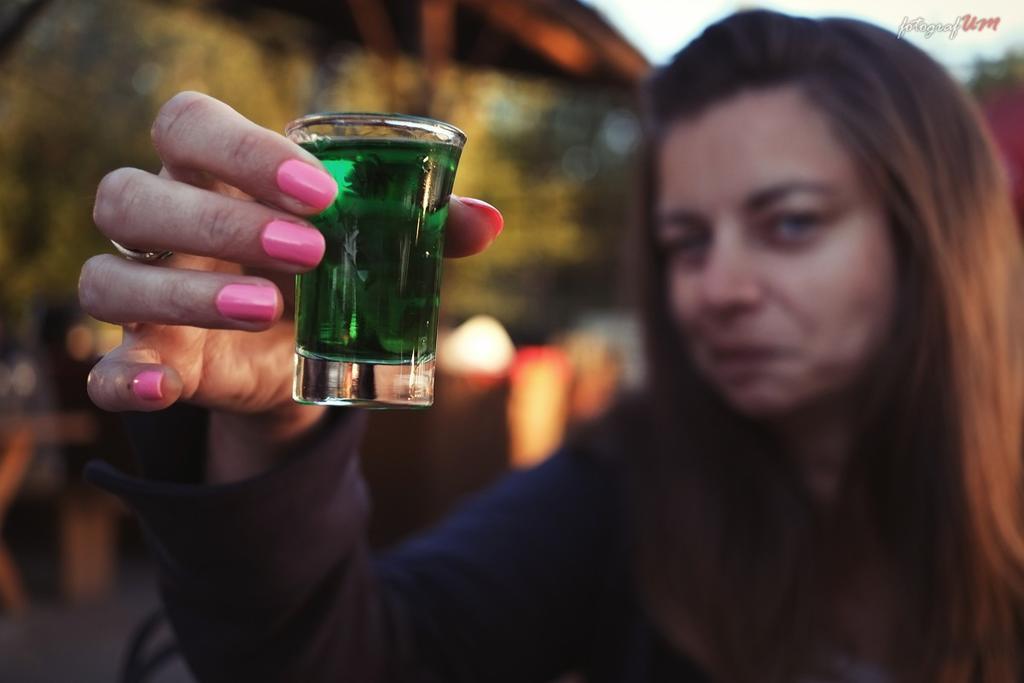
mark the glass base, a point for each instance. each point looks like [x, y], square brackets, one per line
[368, 385]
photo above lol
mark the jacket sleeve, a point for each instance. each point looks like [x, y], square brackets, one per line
[272, 579]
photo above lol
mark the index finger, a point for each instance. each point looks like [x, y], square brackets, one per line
[195, 132]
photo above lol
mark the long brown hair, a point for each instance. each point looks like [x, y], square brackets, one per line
[728, 545]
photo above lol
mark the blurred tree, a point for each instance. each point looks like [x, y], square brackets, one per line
[76, 100]
[15, 17]
[988, 76]
[998, 84]
[79, 91]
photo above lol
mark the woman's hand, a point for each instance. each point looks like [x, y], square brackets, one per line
[212, 325]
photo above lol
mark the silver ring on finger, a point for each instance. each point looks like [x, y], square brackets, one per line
[141, 255]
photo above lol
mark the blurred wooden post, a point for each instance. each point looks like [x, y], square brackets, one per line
[378, 34]
[15, 456]
[547, 35]
[17, 26]
[437, 43]
[88, 544]
[538, 406]
[420, 462]
[87, 519]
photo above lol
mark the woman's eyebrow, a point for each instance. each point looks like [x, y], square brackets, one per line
[759, 199]
[773, 193]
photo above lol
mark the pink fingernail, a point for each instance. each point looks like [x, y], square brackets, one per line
[307, 183]
[494, 217]
[293, 243]
[147, 385]
[251, 303]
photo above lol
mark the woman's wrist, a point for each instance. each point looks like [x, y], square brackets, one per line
[241, 445]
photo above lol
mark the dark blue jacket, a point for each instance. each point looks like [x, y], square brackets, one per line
[271, 579]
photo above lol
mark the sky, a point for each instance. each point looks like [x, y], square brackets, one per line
[660, 27]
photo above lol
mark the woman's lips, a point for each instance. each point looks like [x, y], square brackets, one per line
[741, 361]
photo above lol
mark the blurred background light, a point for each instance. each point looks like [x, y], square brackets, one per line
[478, 347]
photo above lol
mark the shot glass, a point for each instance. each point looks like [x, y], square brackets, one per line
[366, 317]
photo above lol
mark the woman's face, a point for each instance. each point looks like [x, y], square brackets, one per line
[781, 271]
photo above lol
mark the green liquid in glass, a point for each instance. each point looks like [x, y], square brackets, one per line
[374, 297]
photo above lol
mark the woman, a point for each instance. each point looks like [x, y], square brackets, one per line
[822, 481]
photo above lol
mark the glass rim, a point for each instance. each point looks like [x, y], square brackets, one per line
[446, 132]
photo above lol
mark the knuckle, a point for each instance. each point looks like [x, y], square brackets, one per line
[92, 283]
[219, 230]
[95, 386]
[178, 300]
[242, 149]
[103, 388]
[115, 198]
[176, 113]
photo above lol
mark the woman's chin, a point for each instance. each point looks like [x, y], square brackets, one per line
[759, 401]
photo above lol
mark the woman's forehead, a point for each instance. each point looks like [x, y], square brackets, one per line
[748, 143]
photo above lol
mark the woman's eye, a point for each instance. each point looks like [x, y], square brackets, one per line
[794, 227]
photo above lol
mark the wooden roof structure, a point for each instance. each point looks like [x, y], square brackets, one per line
[562, 39]
[557, 38]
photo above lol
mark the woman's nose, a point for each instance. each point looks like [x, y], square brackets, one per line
[729, 279]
